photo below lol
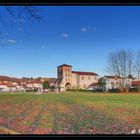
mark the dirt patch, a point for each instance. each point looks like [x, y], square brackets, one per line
[4, 130]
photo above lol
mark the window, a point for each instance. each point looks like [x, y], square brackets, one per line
[88, 78]
[95, 78]
[65, 69]
[60, 69]
[84, 85]
[82, 78]
[59, 72]
[112, 83]
[66, 75]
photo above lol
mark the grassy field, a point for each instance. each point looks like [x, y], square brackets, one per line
[70, 113]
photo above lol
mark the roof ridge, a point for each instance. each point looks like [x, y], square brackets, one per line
[85, 73]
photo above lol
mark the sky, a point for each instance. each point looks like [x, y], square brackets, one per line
[81, 36]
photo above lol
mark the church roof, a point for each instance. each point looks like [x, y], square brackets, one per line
[84, 73]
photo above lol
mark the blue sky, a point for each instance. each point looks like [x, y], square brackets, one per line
[81, 36]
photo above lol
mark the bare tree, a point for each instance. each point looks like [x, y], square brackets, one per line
[130, 62]
[137, 68]
[19, 12]
[120, 65]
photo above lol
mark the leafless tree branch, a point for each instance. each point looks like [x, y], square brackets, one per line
[32, 11]
[120, 63]
[137, 67]
[18, 12]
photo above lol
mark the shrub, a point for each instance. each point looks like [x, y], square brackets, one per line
[114, 90]
[135, 89]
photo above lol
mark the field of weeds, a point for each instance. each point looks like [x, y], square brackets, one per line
[70, 113]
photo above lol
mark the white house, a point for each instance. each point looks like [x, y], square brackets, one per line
[4, 88]
[113, 82]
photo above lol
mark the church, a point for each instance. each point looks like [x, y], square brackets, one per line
[69, 79]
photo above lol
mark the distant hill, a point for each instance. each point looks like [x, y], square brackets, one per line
[24, 79]
[7, 78]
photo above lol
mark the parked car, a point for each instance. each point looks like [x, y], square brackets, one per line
[46, 90]
[90, 88]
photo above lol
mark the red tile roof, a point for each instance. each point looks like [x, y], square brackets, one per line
[11, 86]
[135, 83]
[3, 84]
[84, 73]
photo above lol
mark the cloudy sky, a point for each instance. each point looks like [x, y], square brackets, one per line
[81, 36]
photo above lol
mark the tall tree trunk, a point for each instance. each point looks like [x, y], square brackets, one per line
[138, 83]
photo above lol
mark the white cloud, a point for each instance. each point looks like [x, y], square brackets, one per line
[7, 42]
[83, 29]
[65, 35]
[11, 41]
[88, 28]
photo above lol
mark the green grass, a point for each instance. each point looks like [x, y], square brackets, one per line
[70, 113]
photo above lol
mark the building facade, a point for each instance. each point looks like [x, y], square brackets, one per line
[68, 79]
[113, 82]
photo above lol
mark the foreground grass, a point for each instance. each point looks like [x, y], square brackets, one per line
[70, 113]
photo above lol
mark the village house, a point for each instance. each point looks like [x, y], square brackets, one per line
[7, 87]
[3, 87]
[9, 84]
[113, 82]
[135, 83]
[34, 85]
